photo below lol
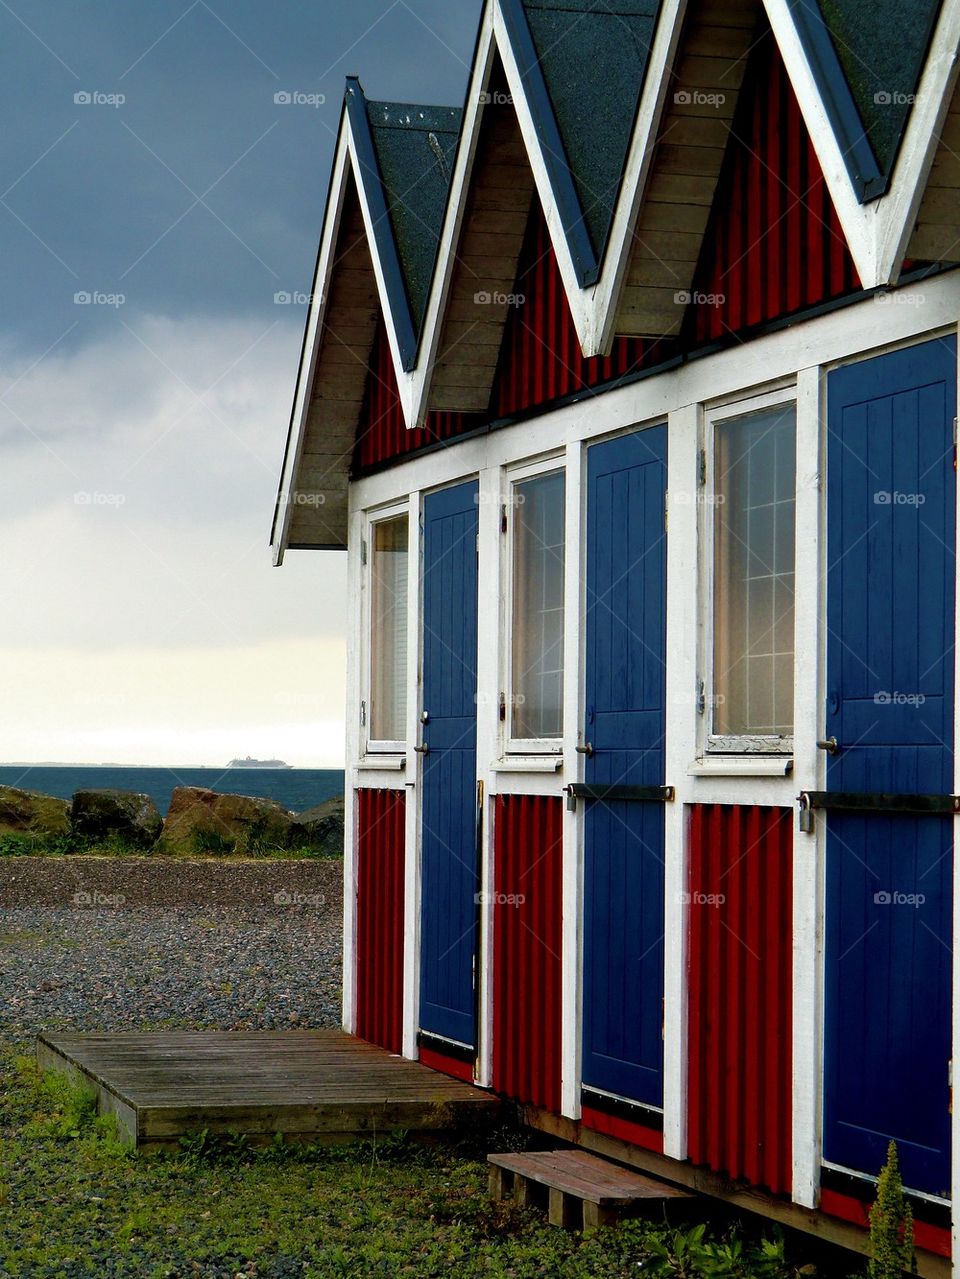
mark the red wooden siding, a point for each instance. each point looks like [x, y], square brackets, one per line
[541, 359]
[381, 839]
[623, 1129]
[454, 1066]
[527, 919]
[774, 245]
[383, 433]
[741, 976]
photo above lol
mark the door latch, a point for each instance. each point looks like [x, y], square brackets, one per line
[830, 745]
[585, 749]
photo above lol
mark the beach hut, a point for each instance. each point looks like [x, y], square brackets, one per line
[629, 389]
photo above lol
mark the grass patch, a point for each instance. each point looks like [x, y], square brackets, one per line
[76, 1202]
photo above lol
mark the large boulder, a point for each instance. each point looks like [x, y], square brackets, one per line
[203, 822]
[125, 815]
[320, 829]
[27, 812]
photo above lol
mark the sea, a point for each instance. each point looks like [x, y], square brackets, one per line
[295, 788]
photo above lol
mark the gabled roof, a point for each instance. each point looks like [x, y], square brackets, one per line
[615, 115]
[585, 120]
[867, 56]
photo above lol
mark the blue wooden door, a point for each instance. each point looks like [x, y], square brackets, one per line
[449, 859]
[890, 689]
[624, 722]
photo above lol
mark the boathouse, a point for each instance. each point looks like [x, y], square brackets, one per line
[629, 388]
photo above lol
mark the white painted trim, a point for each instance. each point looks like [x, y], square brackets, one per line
[523, 764]
[488, 634]
[955, 1040]
[354, 640]
[741, 766]
[411, 863]
[808, 700]
[311, 347]
[681, 675]
[381, 764]
[571, 957]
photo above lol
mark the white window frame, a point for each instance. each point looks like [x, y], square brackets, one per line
[370, 746]
[534, 747]
[718, 746]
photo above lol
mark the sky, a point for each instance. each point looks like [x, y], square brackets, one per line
[160, 204]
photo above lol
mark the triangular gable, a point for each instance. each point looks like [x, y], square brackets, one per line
[594, 113]
[774, 245]
[935, 236]
[693, 137]
[867, 60]
[875, 154]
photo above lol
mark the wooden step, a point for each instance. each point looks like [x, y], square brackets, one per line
[581, 1187]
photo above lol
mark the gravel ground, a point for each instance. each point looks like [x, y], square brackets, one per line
[136, 943]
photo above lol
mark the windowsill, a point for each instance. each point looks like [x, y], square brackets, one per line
[528, 764]
[741, 766]
[381, 764]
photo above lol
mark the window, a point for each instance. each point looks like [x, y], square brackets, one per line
[754, 460]
[388, 631]
[536, 650]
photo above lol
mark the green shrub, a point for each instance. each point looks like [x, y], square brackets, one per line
[891, 1225]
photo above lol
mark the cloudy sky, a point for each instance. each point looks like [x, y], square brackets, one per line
[155, 199]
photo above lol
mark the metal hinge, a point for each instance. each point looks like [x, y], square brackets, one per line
[666, 510]
[702, 468]
[363, 714]
[503, 517]
[363, 552]
[701, 697]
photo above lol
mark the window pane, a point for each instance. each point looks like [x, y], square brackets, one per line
[537, 676]
[388, 631]
[755, 460]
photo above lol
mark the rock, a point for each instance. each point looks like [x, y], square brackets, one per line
[320, 828]
[27, 812]
[99, 814]
[205, 823]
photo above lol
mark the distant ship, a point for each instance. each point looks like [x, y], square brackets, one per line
[250, 762]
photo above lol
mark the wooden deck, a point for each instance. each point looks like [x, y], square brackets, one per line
[308, 1085]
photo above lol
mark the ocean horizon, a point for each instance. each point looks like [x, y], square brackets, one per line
[296, 789]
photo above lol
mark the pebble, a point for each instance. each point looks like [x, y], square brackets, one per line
[226, 962]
